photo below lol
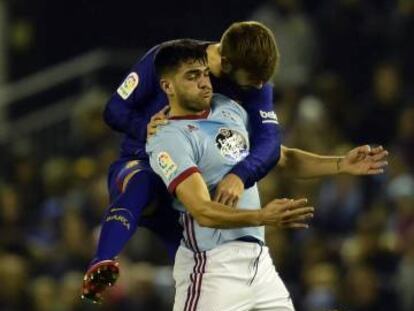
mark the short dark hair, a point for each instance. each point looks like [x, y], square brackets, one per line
[251, 46]
[172, 54]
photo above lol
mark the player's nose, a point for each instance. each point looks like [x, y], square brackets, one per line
[205, 83]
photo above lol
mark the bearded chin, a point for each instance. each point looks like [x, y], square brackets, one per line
[194, 106]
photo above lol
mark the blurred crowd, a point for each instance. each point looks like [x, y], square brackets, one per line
[344, 79]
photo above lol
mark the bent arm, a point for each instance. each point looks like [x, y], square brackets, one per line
[125, 110]
[124, 119]
[194, 194]
[265, 137]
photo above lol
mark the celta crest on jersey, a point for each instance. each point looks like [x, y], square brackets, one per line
[232, 144]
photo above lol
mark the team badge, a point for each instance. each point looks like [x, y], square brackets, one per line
[232, 144]
[128, 86]
[166, 164]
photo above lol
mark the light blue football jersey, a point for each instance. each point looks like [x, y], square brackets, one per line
[211, 144]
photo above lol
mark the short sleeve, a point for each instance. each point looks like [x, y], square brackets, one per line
[172, 156]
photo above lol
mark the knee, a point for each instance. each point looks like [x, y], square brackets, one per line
[138, 180]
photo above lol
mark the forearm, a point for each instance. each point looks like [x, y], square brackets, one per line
[302, 164]
[216, 215]
[194, 195]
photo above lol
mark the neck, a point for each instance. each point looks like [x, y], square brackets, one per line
[214, 59]
[177, 110]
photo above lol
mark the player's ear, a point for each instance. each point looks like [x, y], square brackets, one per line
[166, 86]
[225, 65]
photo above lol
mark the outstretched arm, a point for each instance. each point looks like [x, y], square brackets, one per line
[362, 160]
[265, 139]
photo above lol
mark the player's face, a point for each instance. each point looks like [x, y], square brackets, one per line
[241, 77]
[192, 86]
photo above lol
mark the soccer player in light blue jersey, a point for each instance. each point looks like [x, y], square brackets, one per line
[222, 263]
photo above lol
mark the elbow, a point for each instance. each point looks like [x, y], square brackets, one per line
[287, 162]
[277, 155]
[205, 221]
[284, 157]
[108, 115]
[203, 212]
[111, 117]
[204, 218]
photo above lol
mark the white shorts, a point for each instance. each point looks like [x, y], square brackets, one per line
[221, 280]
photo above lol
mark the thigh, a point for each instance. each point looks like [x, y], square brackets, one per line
[132, 186]
[122, 172]
[270, 291]
[204, 283]
[136, 180]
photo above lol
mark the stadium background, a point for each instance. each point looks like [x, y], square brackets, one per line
[346, 77]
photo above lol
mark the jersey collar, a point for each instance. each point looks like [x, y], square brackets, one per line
[202, 115]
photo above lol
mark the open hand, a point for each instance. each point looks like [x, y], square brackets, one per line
[287, 213]
[364, 160]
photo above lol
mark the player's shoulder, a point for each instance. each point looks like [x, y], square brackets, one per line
[174, 130]
[222, 102]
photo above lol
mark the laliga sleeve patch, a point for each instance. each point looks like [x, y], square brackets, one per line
[128, 86]
[166, 164]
